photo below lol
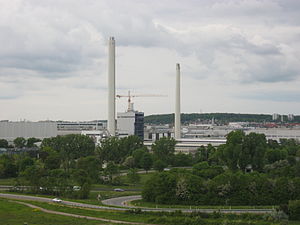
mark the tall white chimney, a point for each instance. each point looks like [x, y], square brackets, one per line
[111, 122]
[177, 104]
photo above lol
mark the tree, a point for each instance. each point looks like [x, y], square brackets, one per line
[117, 150]
[138, 155]
[31, 142]
[25, 162]
[182, 159]
[91, 165]
[81, 177]
[3, 143]
[52, 161]
[273, 144]
[164, 149]
[76, 145]
[291, 145]
[33, 175]
[146, 161]
[273, 155]
[232, 149]
[160, 188]
[109, 150]
[20, 142]
[129, 162]
[253, 151]
[133, 176]
[129, 144]
[159, 165]
[7, 166]
[242, 150]
[203, 169]
[111, 170]
[70, 147]
[294, 209]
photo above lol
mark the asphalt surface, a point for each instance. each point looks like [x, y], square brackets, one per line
[115, 203]
[123, 202]
[68, 203]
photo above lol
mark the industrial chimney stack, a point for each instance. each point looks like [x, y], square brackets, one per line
[111, 122]
[177, 104]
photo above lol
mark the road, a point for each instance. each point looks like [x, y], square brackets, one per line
[68, 203]
[115, 203]
[123, 202]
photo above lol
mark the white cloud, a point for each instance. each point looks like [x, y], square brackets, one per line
[53, 55]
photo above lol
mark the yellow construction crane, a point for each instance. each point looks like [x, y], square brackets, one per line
[130, 96]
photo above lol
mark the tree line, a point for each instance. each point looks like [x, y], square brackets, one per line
[247, 170]
[19, 142]
[64, 162]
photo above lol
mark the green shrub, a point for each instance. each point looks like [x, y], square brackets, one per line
[294, 209]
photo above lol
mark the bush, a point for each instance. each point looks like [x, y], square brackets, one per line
[294, 209]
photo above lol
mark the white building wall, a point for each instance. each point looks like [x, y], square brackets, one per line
[12, 130]
[277, 133]
[125, 122]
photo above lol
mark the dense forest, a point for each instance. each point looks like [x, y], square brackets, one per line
[220, 118]
[247, 170]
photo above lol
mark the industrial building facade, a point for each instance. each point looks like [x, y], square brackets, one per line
[45, 129]
[130, 123]
[11, 130]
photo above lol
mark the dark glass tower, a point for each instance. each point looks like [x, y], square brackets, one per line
[139, 125]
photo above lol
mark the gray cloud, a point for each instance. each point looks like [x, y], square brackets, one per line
[279, 96]
[67, 37]
[62, 43]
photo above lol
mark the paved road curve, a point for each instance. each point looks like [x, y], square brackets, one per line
[69, 203]
[121, 202]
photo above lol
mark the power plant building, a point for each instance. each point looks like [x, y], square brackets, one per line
[130, 123]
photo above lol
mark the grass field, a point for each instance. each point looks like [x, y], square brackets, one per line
[11, 213]
[141, 203]
[15, 214]
[7, 181]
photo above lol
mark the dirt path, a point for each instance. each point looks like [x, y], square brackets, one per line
[78, 216]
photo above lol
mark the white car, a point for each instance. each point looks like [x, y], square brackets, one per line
[57, 200]
[119, 189]
[76, 188]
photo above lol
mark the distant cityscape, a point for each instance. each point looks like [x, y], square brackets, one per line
[194, 133]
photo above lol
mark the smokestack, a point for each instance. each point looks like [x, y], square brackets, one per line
[177, 104]
[111, 122]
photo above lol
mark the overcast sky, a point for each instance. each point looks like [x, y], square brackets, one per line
[236, 56]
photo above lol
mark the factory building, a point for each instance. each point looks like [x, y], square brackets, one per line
[64, 128]
[11, 130]
[130, 123]
[45, 129]
[275, 116]
[290, 117]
